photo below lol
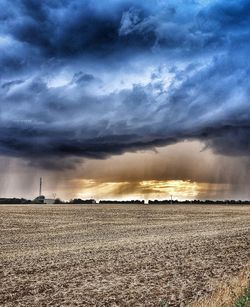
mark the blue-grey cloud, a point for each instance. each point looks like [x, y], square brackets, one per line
[60, 64]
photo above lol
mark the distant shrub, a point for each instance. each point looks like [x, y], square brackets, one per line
[244, 300]
[164, 303]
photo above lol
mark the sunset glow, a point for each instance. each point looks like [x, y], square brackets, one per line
[151, 189]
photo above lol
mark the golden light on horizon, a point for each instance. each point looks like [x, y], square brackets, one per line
[177, 188]
[147, 189]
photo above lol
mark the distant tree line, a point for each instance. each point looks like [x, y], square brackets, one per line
[136, 202]
[199, 202]
[121, 202]
[75, 201]
[82, 201]
[14, 201]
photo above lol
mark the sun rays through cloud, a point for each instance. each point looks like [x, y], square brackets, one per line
[150, 189]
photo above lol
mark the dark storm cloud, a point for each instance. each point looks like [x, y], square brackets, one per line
[84, 27]
[202, 49]
[11, 83]
[71, 28]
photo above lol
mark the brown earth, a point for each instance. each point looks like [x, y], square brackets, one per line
[124, 255]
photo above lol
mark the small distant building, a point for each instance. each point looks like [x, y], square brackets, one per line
[49, 201]
[39, 199]
[42, 200]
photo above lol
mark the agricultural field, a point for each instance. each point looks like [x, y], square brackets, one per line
[123, 255]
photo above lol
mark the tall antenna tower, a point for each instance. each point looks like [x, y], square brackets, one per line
[40, 187]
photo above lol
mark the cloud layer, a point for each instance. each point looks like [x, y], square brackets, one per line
[92, 79]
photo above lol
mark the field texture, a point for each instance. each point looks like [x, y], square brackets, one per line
[100, 255]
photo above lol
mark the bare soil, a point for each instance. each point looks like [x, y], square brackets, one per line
[124, 255]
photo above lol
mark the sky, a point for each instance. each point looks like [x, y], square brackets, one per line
[122, 99]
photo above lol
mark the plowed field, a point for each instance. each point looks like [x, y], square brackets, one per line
[124, 255]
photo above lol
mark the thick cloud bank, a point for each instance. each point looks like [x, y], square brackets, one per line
[87, 78]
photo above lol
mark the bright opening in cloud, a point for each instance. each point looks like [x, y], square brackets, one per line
[150, 189]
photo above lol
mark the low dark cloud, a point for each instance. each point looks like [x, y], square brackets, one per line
[9, 84]
[74, 77]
